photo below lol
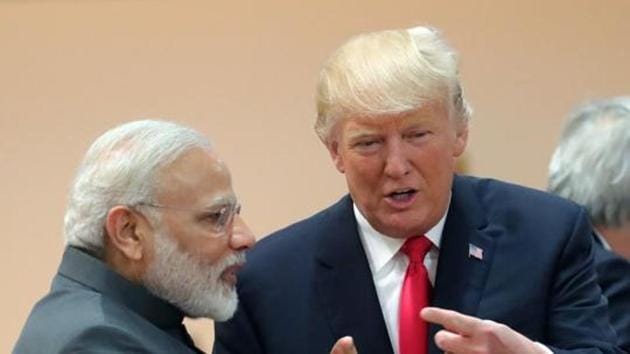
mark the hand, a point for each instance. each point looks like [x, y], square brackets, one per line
[344, 345]
[466, 334]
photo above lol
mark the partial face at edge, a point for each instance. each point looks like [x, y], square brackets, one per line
[399, 169]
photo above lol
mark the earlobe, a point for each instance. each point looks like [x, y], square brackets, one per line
[333, 150]
[123, 233]
[461, 139]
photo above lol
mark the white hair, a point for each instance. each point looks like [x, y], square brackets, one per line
[388, 73]
[120, 167]
[591, 164]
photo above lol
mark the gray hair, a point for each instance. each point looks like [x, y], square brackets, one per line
[120, 168]
[388, 73]
[591, 164]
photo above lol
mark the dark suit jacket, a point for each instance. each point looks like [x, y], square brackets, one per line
[613, 272]
[92, 309]
[309, 284]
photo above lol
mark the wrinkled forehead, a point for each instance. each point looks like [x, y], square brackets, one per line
[196, 178]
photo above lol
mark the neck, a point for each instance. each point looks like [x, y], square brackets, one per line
[618, 238]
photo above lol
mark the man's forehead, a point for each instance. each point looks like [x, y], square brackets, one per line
[418, 117]
[196, 175]
[195, 161]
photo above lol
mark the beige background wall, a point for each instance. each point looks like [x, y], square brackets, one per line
[243, 72]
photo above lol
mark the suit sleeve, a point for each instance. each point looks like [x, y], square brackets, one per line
[238, 335]
[578, 315]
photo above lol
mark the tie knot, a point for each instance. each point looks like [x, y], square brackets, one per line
[416, 248]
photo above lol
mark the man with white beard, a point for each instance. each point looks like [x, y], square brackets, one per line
[153, 234]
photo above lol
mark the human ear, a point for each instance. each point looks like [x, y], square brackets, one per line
[123, 232]
[461, 139]
[333, 150]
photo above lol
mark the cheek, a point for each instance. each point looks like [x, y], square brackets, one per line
[363, 175]
[365, 167]
[195, 240]
[437, 155]
[363, 183]
[212, 250]
[148, 251]
[206, 248]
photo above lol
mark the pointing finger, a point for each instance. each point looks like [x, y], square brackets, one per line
[344, 345]
[451, 320]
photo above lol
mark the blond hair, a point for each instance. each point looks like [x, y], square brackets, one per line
[387, 73]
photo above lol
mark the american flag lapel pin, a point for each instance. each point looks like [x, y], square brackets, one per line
[475, 251]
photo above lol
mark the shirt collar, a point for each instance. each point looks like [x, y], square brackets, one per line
[380, 248]
[601, 239]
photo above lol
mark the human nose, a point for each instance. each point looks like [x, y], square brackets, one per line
[396, 162]
[242, 237]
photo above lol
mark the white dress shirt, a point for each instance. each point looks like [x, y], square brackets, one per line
[388, 267]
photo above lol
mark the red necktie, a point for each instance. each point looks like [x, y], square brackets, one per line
[413, 331]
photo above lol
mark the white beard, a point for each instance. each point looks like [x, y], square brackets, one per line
[191, 285]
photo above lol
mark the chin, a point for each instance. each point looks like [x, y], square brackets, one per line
[224, 308]
[403, 227]
[394, 231]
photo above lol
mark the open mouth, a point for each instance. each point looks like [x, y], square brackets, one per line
[229, 275]
[402, 195]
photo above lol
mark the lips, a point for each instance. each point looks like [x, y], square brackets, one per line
[401, 198]
[402, 194]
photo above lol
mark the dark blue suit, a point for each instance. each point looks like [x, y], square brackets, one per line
[613, 273]
[309, 284]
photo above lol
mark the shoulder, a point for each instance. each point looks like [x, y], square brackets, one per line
[72, 317]
[509, 200]
[493, 190]
[304, 233]
[521, 218]
[61, 317]
[289, 252]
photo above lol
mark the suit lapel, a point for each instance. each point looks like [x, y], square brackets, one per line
[344, 283]
[461, 276]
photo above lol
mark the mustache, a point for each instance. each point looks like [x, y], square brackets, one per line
[234, 259]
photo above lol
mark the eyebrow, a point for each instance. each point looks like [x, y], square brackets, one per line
[361, 133]
[220, 201]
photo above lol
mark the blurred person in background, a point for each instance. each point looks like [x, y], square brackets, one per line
[591, 166]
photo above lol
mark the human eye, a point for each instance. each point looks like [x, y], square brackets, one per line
[366, 144]
[215, 218]
[417, 135]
